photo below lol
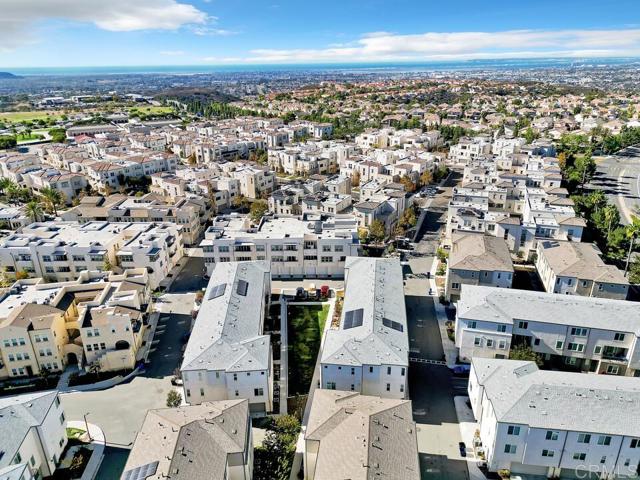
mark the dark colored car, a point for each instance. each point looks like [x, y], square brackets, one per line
[462, 370]
[301, 292]
[324, 291]
[463, 449]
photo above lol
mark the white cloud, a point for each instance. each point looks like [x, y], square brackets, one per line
[204, 30]
[17, 17]
[383, 46]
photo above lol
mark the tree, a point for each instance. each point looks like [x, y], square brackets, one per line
[58, 135]
[377, 231]
[174, 399]
[632, 231]
[7, 141]
[257, 211]
[52, 199]
[274, 458]
[106, 265]
[5, 184]
[34, 210]
[426, 178]
[409, 185]
[22, 274]
[634, 271]
[524, 352]
[192, 159]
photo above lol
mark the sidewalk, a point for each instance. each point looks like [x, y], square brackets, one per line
[98, 442]
[468, 427]
[63, 381]
[450, 349]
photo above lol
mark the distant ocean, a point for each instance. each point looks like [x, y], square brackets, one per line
[336, 67]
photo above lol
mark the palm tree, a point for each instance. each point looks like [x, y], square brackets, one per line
[5, 183]
[34, 210]
[13, 192]
[52, 198]
[633, 231]
[611, 215]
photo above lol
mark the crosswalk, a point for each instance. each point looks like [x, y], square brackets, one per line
[426, 360]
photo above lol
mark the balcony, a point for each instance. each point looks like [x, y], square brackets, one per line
[615, 354]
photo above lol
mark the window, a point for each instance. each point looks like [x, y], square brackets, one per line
[235, 377]
[237, 393]
[370, 369]
[331, 385]
[455, 285]
[477, 341]
[326, 259]
[326, 248]
[513, 430]
[472, 324]
[547, 453]
[258, 392]
[510, 448]
[223, 248]
[604, 440]
[489, 342]
[338, 248]
[388, 387]
[388, 370]
[523, 325]
[584, 438]
[502, 344]
[259, 248]
[619, 337]
[402, 371]
[579, 456]
[597, 350]
[401, 388]
[276, 248]
[578, 332]
[603, 459]
[502, 328]
[559, 344]
[62, 418]
[613, 369]
[575, 347]
[551, 435]
[353, 387]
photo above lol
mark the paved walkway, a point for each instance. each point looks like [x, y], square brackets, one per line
[450, 349]
[63, 382]
[468, 427]
[98, 440]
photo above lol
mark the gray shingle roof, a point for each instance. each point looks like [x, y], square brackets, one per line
[502, 305]
[363, 437]
[228, 330]
[18, 414]
[522, 394]
[478, 252]
[374, 285]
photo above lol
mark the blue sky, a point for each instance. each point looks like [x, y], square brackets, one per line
[46, 33]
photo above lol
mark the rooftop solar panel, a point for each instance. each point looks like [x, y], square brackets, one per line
[141, 473]
[392, 324]
[217, 291]
[352, 318]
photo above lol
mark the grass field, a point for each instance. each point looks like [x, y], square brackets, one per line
[15, 117]
[152, 109]
[306, 324]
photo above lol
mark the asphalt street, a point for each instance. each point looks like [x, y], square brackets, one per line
[619, 177]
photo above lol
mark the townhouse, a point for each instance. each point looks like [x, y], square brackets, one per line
[32, 435]
[228, 356]
[555, 424]
[98, 319]
[191, 214]
[297, 247]
[477, 259]
[568, 332]
[369, 351]
[379, 435]
[199, 442]
[255, 182]
[61, 250]
[577, 269]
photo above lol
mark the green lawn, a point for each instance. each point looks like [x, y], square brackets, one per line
[306, 324]
[22, 137]
[152, 109]
[16, 117]
[74, 433]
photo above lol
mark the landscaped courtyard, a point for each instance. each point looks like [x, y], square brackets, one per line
[305, 327]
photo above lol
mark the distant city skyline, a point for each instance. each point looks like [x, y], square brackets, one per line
[59, 33]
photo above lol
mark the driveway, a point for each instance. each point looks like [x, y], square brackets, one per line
[191, 277]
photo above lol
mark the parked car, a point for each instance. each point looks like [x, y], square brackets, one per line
[463, 449]
[177, 382]
[324, 291]
[462, 370]
[301, 293]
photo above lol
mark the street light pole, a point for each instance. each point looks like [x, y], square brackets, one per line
[86, 425]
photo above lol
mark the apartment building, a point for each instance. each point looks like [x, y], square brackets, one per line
[190, 213]
[568, 331]
[69, 184]
[573, 268]
[228, 356]
[98, 319]
[477, 259]
[61, 250]
[198, 442]
[13, 217]
[308, 246]
[255, 182]
[555, 424]
[469, 149]
[379, 434]
[32, 435]
[369, 351]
